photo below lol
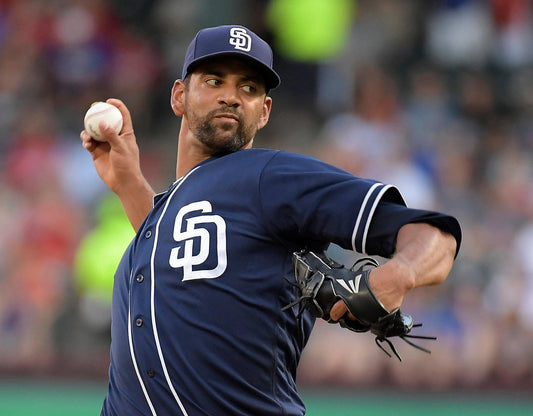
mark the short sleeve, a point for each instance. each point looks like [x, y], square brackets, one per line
[305, 199]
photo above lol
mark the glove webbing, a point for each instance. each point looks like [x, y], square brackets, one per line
[408, 322]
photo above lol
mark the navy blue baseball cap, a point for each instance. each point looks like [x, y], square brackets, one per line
[231, 40]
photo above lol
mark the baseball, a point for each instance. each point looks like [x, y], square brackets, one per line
[101, 111]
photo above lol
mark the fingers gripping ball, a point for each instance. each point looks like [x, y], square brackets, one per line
[101, 111]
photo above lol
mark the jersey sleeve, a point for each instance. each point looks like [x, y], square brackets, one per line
[305, 199]
[308, 201]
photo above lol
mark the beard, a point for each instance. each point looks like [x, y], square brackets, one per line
[222, 138]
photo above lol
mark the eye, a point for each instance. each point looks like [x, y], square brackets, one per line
[213, 82]
[249, 88]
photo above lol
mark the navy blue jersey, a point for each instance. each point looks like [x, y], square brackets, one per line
[197, 324]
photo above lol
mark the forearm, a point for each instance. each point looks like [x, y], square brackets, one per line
[136, 196]
[424, 256]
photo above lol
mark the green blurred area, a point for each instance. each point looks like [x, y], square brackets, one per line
[83, 398]
[47, 398]
[102, 248]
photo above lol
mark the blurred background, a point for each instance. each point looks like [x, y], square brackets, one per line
[434, 96]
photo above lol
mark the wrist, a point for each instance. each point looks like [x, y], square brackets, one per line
[390, 282]
[404, 278]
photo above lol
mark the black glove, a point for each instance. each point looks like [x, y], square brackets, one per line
[322, 282]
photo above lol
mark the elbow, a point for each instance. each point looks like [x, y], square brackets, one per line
[441, 278]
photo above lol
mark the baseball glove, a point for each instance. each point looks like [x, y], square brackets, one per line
[322, 282]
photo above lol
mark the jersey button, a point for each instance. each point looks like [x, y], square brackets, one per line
[150, 372]
[148, 234]
[139, 322]
[139, 278]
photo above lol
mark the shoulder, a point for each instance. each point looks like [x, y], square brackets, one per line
[252, 157]
[299, 162]
[267, 159]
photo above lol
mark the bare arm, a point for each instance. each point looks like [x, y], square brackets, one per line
[424, 256]
[117, 162]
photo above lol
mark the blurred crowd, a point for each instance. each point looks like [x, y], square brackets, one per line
[435, 97]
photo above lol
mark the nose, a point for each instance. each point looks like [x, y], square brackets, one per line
[229, 95]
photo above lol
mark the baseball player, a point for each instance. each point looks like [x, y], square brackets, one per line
[200, 323]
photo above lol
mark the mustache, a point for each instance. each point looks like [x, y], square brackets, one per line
[224, 111]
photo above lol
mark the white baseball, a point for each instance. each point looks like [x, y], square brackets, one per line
[101, 111]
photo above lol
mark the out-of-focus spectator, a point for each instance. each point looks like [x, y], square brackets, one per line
[459, 33]
[427, 107]
[38, 253]
[513, 25]
[370, 140]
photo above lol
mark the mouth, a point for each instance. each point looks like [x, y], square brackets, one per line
[228, 117]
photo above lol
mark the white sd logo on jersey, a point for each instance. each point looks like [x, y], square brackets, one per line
[240, 39]
[193, 230]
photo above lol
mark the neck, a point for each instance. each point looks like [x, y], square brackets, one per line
[188, 156]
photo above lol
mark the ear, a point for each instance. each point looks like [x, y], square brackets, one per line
[263, 120]
[177, 98]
